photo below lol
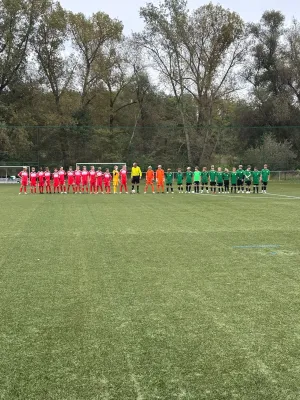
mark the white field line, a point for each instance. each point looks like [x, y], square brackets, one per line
[283, 195]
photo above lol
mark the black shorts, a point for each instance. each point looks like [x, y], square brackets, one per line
[265, 183]
[169, 184]
[135, 180]
[204, 183]
[233, 184]
[226, 183]
[188, 184]
[196, 183]
[220, 184]
[240, 182]
[248, 183]
[212, 183]
[255, 184]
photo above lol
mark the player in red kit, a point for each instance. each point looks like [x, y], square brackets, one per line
[123, 175]
[47, 175]
[71, 181]
[107, 179]
[92, 180]
[33, 176]
[41, 178]
[24, 180]
[56, 181]
[77, 179]
[84, 179]
[99, 176]
[62, 183]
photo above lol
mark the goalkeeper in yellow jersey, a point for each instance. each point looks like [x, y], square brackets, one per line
[116, 180]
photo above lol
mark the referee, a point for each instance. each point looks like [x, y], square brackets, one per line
[136, 175]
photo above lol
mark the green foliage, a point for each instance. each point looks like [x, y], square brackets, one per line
[279, 156]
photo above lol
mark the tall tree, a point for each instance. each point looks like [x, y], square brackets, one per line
[89, 34]
[17, 20]
[197, 53]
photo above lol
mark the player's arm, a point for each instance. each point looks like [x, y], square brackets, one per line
[140, 172]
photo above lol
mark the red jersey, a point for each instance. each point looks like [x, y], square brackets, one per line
[56, 179]
[99, 175]
[77, 177]
[41, 176]
[123, 174]
[107, 178]
[70, 177]
[84, 176]
[47, 177]
[92, 177]
[62, 176]
[24, 178]
[33, 176]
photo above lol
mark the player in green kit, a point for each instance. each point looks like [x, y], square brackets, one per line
[240, 178]
[197, 175]
[220, 180]
[179, 177]
[233, 178]
[265, 177]
[248, 176]
[226, 176]
[204, 179]
[189, 180]
[169, 180]
[212, 179]
[256, 180]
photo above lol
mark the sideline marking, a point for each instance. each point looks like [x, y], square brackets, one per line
[283, 195]
[257, 246]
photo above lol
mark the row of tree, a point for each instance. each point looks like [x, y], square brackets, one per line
[193, 87]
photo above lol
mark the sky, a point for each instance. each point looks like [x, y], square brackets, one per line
[128, 10]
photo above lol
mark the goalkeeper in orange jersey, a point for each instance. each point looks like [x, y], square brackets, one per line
[160, 179]
[149, 180]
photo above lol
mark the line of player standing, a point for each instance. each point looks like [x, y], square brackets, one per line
[81, 181]
[97, 181]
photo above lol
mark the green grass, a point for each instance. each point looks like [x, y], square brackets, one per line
[145, 297]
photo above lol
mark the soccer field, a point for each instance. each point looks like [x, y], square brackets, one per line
[150, 296]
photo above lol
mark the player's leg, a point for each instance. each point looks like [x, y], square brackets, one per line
[172, 191]
[146, 187]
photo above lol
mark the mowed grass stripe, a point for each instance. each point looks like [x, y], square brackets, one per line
[144, 297]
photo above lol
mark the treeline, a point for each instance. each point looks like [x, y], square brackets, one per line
[193, 87]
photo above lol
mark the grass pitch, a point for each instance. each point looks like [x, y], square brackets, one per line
[150, 296]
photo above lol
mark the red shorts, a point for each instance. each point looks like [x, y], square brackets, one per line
[47, 183]
[24, 183]
[78, 182]
[84, 183]
[71, 182]
[62, 182]
[106, 184]
[41, 184]
[56, 184]
[33, 184]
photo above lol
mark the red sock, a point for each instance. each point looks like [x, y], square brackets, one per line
[25, 189]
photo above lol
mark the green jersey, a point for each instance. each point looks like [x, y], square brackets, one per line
[256, 177]
[248, 175]
[233, 176]
[265, 173]
[197, 175]
[226, 176]
[189, 176]
[240, 173]
[169, 178]
[204, 177]
[212, 175]
[220, 177]
[179, 177]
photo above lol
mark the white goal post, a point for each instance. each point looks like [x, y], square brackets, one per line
[9, 173]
